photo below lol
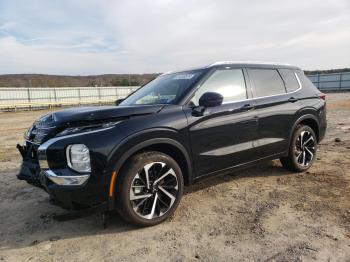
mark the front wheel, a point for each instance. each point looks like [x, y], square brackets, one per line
[302, 150]
[150, 188]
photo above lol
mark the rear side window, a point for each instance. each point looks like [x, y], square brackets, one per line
[290, 80]
[229, 83]
[267, 82]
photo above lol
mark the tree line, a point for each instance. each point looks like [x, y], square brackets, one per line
[39, 80]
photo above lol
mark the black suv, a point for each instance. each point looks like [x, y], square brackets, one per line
[176, 130]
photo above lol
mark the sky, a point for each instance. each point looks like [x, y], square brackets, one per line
[87, 37]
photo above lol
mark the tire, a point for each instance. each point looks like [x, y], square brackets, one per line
[302, 150]
[150, 188]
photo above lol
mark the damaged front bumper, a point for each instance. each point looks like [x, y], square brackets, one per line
[30, 169]
[66, 189]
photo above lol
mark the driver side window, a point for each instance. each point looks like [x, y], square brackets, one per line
[229, 83]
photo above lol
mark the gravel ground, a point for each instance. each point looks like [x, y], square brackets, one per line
[261, 214]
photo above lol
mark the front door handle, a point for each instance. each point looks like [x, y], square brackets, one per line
[247, 107]
[292, 99]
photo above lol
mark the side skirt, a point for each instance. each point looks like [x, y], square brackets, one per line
[239, 167]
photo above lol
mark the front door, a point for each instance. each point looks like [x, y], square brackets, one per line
[222, 136]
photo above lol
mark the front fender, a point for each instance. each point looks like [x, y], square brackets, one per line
[143, 139]
[136, 142]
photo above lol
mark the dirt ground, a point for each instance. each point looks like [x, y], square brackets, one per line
[261, 214]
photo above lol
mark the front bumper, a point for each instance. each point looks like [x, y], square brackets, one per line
[66, 180]
[84, 192]
[29, 172]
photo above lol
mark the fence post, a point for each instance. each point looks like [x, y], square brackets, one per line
[99, 96]
[79, 96]
[340, 79]
[55, 95]
[29, 98]
[28, 92]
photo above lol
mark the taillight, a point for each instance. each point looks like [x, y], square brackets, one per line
[322, 96]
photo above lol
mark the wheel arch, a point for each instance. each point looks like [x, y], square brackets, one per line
[167, 146]
[309, 120]
[177, 152]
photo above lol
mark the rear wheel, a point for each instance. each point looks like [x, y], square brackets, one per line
[150, 188]
[302, 149]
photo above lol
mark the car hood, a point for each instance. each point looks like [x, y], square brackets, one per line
[50, 124]
[82, 114]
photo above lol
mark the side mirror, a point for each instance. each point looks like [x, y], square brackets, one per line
[118, 101]
[210, 99]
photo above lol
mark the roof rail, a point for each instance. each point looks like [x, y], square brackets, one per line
[247, 62]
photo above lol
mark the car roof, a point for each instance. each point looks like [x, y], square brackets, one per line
[258, 64]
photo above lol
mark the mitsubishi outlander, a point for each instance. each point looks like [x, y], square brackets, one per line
[180, 128]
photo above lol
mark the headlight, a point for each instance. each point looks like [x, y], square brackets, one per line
[78, 158]
[87, 128]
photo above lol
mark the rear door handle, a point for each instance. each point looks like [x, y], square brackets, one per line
[247, 107]
[292, 99]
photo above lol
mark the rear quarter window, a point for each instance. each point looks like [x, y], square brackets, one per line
[289, 79]
[267, 82]
[305, 81]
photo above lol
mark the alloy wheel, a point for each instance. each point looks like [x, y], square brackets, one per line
[153, 190]
[305, 148]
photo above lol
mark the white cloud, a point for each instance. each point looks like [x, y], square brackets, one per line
[7, 26]
[92, 37]
[31, 59]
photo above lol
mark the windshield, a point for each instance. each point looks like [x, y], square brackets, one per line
[165, 89]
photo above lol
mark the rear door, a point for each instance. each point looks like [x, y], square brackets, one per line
[223, 136]
[275, 107]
